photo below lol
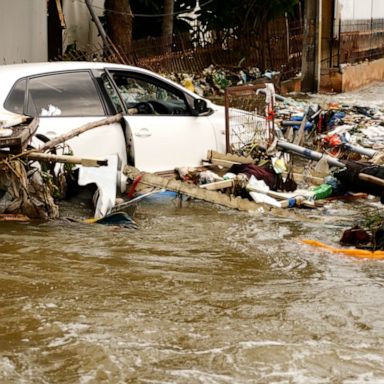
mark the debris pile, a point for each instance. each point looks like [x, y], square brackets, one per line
[213, 80]
[311, 154]
[23, 190]
[29, 181]
[334, 129]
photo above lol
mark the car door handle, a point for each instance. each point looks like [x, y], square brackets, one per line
[143, 132]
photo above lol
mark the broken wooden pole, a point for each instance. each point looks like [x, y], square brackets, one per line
[229, 158]
[218, 185]
[371, 179]
[67, 159]
[191, 190]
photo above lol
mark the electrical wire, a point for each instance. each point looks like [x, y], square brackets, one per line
[146, 15]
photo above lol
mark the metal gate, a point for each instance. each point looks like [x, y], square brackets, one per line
[248, 119]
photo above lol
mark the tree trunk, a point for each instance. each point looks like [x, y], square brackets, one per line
[119, 24]
[167, 28]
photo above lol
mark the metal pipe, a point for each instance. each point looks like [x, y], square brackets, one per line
[227, 126]
[363, 151]
[96, 20]
[305, 152]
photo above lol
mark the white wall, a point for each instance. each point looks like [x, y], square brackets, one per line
[23, 31]
[361, 9]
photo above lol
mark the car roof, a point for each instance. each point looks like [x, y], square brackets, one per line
[10, 73]
[29, 69]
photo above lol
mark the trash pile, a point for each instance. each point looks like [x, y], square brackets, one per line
[213, 80]
[25, 191]
[306, 155]
[312, 155]
[335, 128]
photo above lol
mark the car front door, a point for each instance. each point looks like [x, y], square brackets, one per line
[162, 132]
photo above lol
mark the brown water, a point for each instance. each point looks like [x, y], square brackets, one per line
[195, 295]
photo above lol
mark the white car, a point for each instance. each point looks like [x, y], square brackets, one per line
[164, 125]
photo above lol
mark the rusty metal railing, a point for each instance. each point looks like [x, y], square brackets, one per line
[358, 40]
[245, 122]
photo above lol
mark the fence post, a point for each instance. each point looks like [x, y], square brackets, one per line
[227, 127]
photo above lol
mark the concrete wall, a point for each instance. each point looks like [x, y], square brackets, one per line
[23, 28]
[356, 76]
[351, 77]
[23, 31]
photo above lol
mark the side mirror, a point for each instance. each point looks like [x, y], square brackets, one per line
[200, 106]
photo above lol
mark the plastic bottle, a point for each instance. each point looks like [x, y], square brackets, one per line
[322, 191]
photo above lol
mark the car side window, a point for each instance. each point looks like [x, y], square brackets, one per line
[64, 94]
[15, 100]
[112, 94]
[137, 91]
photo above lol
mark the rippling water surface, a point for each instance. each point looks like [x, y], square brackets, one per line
[195, 295]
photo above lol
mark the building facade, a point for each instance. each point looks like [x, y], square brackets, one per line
[41, 30]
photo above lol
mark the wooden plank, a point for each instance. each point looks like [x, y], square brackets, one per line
[60, 14]
[223, 163]
[14, 217]
[299, 177]
[21, 135]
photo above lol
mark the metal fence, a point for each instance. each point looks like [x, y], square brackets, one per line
[246, 131]
[277, 48]
[357, 40]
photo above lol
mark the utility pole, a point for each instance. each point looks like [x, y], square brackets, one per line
[311, 59]
[96, 20]
[108, 43]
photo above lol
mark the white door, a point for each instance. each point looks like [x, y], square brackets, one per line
[162, 132]
[65, 101]
[162, 143]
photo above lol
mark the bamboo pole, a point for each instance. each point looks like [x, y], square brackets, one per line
[48, 157]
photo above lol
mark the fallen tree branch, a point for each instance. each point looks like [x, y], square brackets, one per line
[77, 131]
[69, 135]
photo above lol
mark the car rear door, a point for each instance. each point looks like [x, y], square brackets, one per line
[65, 101]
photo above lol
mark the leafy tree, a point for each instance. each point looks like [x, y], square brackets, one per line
[242, 17]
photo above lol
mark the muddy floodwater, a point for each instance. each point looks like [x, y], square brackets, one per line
[197, 295]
